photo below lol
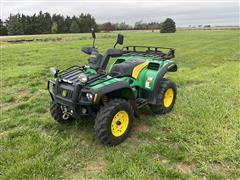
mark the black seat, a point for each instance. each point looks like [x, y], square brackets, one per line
[126, 67]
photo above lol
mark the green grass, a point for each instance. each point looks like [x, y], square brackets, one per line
[200, 138]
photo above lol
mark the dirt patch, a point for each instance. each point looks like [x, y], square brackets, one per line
[7, 106]
[22, 97]
[165, 161]
[22, 92]
[166, 130]
[143, 127]
[225, 167]
[192, 83]
[162, 160]
[19, 41]
[94, 167]
[133, 139]
[184, 168]
[9, 130]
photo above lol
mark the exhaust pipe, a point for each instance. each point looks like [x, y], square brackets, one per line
[65, 116]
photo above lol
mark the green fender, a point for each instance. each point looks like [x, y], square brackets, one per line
[120, 87]
[122, 90]
[170, 67]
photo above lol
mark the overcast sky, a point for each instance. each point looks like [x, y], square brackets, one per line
[186, 12]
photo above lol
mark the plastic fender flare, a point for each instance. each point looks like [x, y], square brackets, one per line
[117, 86]
[171, 67]
[120, 85]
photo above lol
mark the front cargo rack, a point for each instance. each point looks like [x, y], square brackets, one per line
[71, 75]
[155, 52]
[70, 70]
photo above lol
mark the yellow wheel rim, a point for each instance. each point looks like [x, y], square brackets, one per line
[120, 123]
[168, 97]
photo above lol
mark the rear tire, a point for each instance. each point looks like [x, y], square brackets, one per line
[166, 97]
[114, 122]
[57, 113]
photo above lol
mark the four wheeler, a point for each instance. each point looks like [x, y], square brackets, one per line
[134, 80]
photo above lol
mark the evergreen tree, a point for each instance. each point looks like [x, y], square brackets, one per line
[14, 25]
[87, 22]
[54, 28]
[168, 26]
[68, 23]
[30, 26]
[59, 19]
[74, 28]
[23, 22]
[43, 23]
[47, 23]
[3, 29]
[37, 24]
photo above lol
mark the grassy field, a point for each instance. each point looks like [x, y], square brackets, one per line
[200, 138]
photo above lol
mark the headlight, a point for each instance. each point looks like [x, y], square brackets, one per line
[83, 78]
[89, 96]
[54, 71]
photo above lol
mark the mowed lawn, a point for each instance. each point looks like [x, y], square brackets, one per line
[200, 138]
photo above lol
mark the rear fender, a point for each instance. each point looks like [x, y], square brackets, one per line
[170, 67]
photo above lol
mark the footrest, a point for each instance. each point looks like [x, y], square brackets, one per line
[141, 103]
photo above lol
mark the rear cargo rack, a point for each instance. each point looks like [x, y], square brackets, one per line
[149, 51]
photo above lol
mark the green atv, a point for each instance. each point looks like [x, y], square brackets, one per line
[135, 80]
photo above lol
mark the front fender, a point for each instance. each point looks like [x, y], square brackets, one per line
[120, 89]
[114, 87]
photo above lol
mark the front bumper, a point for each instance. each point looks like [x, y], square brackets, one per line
[71, 98]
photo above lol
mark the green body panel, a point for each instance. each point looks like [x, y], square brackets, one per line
[90, 71]
[140, 82]
[100, 83]
[146, 74]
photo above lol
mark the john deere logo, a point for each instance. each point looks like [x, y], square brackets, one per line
[64, 93]
[93, 56]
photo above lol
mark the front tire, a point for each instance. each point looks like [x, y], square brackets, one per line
[166, 97]
[114, 122]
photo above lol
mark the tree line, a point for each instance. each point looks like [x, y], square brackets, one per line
[45, 23]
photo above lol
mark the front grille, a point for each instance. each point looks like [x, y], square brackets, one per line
[153, 66]
[65, 91]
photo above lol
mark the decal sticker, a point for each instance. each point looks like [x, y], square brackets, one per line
[148, 82]
[64, 93]
[93, 55]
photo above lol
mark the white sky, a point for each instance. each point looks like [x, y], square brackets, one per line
[184, 12]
